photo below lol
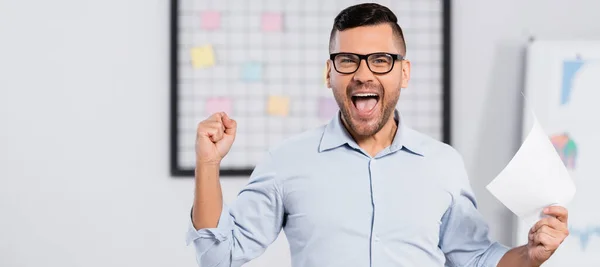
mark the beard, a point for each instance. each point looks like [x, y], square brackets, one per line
[366, 127]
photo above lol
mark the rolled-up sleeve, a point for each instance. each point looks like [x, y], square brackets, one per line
[213, 239]
[246, 227]
[465, 234]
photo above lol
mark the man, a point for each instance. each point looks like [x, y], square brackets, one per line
[363, 190]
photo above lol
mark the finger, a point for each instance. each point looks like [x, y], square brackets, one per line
[549, 231]
[559, 212]
[538, 224]
[216, 117]
[230, 125]
[552, 222]
[530, 238]
[543, 239]
[212, 129]
[557, 236]
[548, 240]
[203, 126]
[215, 135]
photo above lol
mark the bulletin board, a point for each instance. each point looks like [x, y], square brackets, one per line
[263, 62]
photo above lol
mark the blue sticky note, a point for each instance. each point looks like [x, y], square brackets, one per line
[570, 69]
[252, 71]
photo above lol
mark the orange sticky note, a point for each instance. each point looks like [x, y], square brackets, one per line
[272, 22]
[203, 56]
[279, 105]
[210, 20]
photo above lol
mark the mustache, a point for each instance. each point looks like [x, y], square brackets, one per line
[354, 86]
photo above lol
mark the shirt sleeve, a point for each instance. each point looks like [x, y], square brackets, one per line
[464, 237]
[246, 227]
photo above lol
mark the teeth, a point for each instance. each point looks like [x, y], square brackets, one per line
[365, 95]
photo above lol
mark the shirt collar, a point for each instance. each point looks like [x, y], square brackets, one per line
[336, 135]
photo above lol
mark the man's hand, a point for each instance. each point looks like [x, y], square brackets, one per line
[214, 138]
[547, 234]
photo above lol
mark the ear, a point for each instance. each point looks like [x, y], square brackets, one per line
[327, 74]
[405, 73]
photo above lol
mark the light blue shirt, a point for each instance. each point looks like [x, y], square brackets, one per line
[410, 205]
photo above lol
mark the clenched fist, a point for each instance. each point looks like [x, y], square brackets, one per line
[214, 138]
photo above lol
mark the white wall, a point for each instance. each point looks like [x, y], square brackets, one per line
[84, 141]
[489, 39]
[84, 124]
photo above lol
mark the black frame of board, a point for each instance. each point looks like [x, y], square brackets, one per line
[176, 171]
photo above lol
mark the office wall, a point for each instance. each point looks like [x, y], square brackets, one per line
[489, 39]
[84, 124]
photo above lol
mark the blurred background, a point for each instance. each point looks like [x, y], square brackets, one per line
[85, 174]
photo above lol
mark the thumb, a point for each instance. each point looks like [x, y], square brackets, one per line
[230, 125]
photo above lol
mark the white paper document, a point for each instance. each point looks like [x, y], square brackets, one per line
[534, 179]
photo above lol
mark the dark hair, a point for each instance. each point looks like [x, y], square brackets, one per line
[367, 14]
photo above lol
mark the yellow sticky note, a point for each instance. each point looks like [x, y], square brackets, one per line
[279, 105]
[203, 56]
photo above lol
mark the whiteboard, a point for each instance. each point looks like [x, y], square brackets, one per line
[263, 62]
[562, 82]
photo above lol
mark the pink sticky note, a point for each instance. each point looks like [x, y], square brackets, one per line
[272, 22]
[218, 104]
[327, 107]
[210, 20]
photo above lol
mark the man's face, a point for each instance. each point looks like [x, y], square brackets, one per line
[367, 100]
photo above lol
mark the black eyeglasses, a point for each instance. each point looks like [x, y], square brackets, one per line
[379, 63]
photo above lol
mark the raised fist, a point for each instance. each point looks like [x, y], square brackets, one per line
[214, 138]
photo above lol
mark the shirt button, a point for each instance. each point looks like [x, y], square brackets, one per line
[376, 238]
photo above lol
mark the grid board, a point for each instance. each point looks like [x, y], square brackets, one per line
[263, 63]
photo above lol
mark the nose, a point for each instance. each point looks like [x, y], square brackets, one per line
[363, 73]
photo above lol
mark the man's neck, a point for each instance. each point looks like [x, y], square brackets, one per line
[380, 140]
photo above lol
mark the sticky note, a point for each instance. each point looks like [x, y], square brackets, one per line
[218, 104]
[279, 105]
[210, 20]
[272, 22]
[252, 71]
[327, 107]
[203, 56]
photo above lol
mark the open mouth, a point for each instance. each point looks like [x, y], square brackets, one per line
[365, 102]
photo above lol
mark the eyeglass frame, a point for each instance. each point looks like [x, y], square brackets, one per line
[395, 57]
